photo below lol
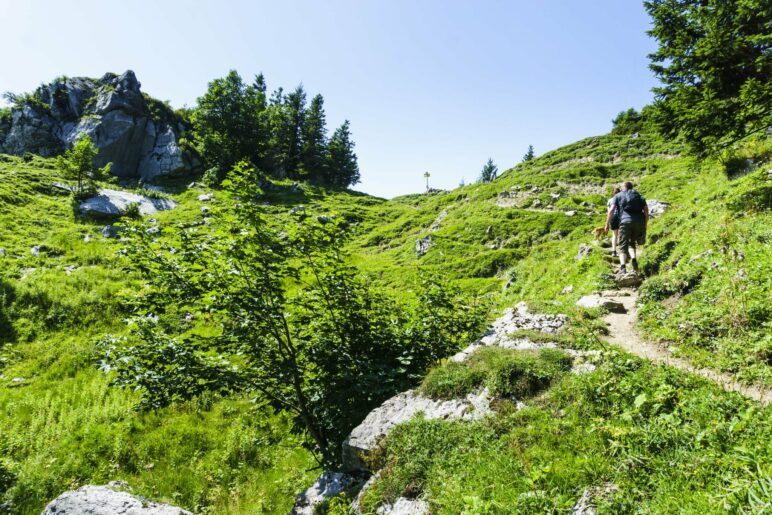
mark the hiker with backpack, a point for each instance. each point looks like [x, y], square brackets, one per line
[633, 220]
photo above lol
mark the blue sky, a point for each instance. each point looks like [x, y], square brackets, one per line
[434, 86]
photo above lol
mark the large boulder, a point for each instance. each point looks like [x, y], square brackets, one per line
[596, 301]
[401, 408]
[115, 202]
[110, 499]
[138, 135]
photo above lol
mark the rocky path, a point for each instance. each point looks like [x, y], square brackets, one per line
[622, 332]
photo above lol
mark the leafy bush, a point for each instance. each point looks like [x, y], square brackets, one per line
[132, 211]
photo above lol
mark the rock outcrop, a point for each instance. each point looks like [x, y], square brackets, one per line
[328, 484]
[110, 499]
[114, 202]
[401, 408]
[140, 136]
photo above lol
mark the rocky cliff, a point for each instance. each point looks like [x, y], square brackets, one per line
[141, 136]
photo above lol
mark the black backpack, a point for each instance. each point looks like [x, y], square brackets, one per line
[632, 202]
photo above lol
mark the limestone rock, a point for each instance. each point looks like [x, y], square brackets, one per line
[401, 408]
[404, 506]
[656, 207]
[584, 251]
[2, 252]
[110, 231]
[422, 246]
[630, 279]
[586, 504]
[111, 499]
[596, 301]
[115, 202]
[328, 484]
[568, 289]
[138, 135]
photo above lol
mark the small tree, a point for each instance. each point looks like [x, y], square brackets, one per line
[342, 165]
[78, 164]
[489, 172]
[528, 155]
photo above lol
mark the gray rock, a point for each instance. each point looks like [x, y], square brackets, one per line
[584, 251]
[570, 213]
[110, 231]
[114, 202]
[404, 506]
[401, 408]
[35, 251]
[139, 141]
[422, 246]
[656, 207]
[328, 484]
[2, 252]
[568, 289]
[111, 499]
[629, 280]
[586, 504]
[205, 197]
[596, 301]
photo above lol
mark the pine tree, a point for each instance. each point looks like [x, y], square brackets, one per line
[314, 146]
[342, 167]
[489, 172]
[528, 155]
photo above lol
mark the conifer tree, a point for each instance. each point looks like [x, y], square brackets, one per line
[529, 154]
[489, 172]
[314, 145]
[342, 167]
[77, 164]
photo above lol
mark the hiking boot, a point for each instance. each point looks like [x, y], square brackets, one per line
[623, 269]
[635, 265]
[613, 253]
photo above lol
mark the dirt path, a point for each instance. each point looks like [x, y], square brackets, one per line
[622, 333]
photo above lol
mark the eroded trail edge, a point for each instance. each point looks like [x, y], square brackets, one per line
[622, 332]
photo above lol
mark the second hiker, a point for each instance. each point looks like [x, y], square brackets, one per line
[633, 213]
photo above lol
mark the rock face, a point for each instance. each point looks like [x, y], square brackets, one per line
[111, 499]
[401, 408]
[138, 135]
[422, 246]
[114, 202]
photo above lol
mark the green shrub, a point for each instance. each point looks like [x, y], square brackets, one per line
[132, 211]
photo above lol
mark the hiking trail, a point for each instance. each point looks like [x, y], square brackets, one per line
[622, 332]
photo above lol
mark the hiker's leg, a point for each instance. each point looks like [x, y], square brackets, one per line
[632, 250]
[623, 242]
[614, 240]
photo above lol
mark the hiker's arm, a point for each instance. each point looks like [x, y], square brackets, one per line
[610, 214]
[645, 215]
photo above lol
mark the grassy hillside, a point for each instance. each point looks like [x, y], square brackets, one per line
[514, 238]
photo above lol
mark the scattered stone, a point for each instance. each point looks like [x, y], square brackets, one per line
[2, 252]
[401, 408]
[205, 197]
[554, 196]
[69, 269]
[110, 231]
[656, 207]
[536, 203]
[328, 484]
[153, 230]
[438, 221]
[570, 213]
[568, 289]
[584, 251]
[205, 209]
[35, 251]
[422, 246]
[629, 280]
[323, 219]
[404, 506]
[596, 301]
[111, 499]
[635, 135]
[587, 503]
[115, 202]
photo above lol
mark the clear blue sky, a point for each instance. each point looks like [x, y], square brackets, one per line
[434, 86]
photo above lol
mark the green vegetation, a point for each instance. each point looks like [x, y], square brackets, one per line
[490, 238]
[506, 373]
[489, 172]
[663, 442]
[77, 164]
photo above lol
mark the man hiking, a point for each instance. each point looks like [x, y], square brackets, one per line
[633, 219]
